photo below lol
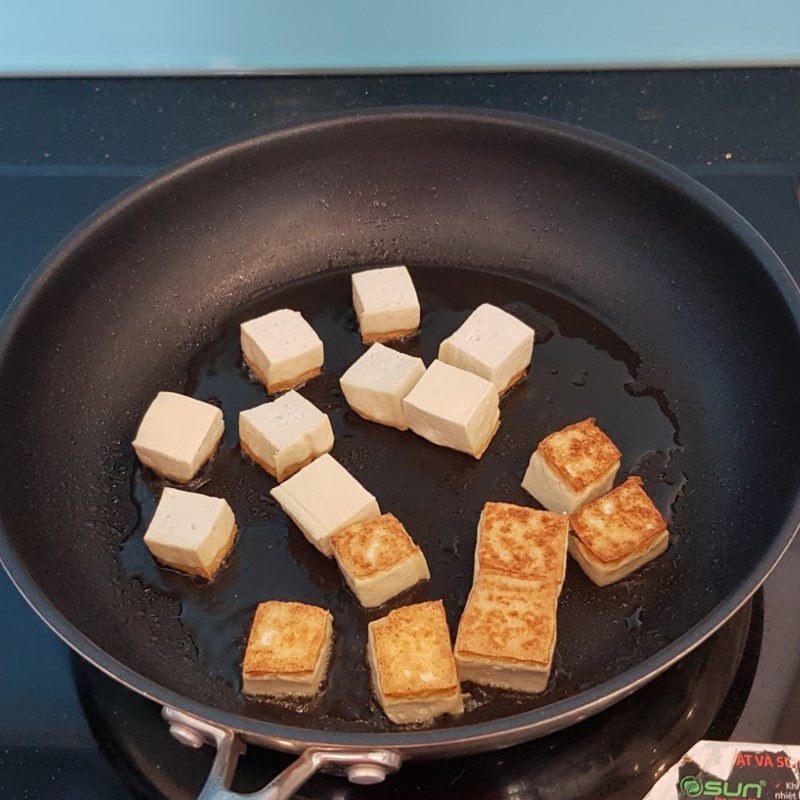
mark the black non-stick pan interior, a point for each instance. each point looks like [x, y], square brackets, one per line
[676, 331]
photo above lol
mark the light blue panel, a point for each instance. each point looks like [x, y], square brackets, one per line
[90, 36]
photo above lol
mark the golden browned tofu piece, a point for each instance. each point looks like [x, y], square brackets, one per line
[507, 632]
[572, 467]
[618, 533]
[288, 649]
[522, 542]
[413, 670]
[378, 559]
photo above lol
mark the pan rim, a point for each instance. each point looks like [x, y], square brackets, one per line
[476, 736]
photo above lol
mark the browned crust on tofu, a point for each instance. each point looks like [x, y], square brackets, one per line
[488, 441]
[215, 565]
[257, 460]
[388, 336]
[579, 454]
[521, 541]
[509, 619]
[514, 380]
[224, 553]
[411, 641]
[299, 633]
[282, 386]
[385, 534]
[632, 555]
[379, 421]
[625, 529]
[280, 477]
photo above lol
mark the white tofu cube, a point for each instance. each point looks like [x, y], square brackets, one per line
[191, 532]
[453, 408]
[507, 633]
[288, 650]
[324, 498]
[617, 533]
[177, 435]
[285, 435]
[378, 559]
[376, 384]
[572, 467]
[386, 304]
[411, 659]
[491, 343]
[281, 349]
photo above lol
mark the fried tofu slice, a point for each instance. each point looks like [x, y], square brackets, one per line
[378, 559]
[288, 650]
[507, 633]
[522, 542]
[413, 671]
[618, 533]
[572, 467]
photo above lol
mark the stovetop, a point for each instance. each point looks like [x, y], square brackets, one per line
[66, 147]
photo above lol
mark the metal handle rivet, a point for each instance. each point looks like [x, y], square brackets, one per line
[366, 774]
[186, 735]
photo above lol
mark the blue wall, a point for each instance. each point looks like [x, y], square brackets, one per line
[109, 35]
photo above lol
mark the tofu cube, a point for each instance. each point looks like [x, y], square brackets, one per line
[572, 467]
[191, 532]
[413, 672]
[386, 304]
[507, 633]
[618, 533]
[285, 435]
[323, 498]
[493, 344]
[378, 559]
[522, 542]
[453, 408]
[281, 349]
[376, 384]
[177, 435]
[288, 650]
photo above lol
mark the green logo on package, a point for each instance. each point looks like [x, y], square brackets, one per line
[690, 786]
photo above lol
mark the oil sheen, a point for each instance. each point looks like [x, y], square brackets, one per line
[580, 368]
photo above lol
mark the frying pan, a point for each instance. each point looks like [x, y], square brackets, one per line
[656, 307]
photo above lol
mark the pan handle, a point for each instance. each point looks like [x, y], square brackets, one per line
[360, 766]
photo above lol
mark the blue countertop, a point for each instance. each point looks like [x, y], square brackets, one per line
[93, 36]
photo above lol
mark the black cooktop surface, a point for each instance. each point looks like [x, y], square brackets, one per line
[67, 146]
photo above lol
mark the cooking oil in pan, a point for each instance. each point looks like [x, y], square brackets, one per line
[580, 368]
